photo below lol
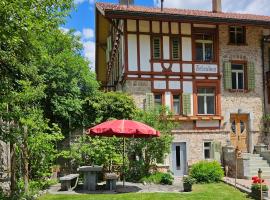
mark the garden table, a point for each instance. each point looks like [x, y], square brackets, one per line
[90, 176]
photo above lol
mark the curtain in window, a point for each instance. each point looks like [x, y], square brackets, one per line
[186, 104]
[251, 75]
[227, 75]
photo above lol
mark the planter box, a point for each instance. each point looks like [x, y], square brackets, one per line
[187, 187]
[256, 194]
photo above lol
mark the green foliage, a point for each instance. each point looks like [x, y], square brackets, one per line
[94, 151]
[257, 187]
[158, 178]
[104, 106]
[189, 180]
[206, 172]
[149, 151]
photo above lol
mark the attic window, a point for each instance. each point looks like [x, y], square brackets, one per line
[156, 48]
[237, 35]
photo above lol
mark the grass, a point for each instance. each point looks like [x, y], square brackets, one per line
[219, 191]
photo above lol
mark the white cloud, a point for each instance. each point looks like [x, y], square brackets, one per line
[89, 52]
[87, 33]
[64, 30]
[260, 7]
[82, 1]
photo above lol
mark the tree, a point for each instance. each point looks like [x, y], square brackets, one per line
[26, 27]
[144, 152]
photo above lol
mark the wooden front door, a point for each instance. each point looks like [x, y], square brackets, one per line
[239, 131]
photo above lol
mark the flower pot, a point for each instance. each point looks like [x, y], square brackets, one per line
[187, 187]
[256, 194]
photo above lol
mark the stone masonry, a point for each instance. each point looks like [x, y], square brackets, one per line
[4, 166]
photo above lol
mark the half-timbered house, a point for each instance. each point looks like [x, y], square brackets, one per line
[207, 67]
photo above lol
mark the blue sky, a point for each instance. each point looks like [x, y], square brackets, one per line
[82, 18]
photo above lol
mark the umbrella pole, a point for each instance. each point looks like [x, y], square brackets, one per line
[124, 149]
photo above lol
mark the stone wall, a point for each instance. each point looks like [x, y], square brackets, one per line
[137, 89]
[251, 102]
[4, 166]
[195, 140]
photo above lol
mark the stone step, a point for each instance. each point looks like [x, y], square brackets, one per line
[259, 163]
[255, 158]
[250, 155]
[264, 169]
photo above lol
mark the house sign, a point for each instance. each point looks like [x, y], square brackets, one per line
[205, 68]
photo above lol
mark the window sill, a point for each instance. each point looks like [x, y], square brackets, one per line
[240, 91]
[233, 44]
[196, 117]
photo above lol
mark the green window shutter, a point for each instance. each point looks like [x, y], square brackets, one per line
[217, 151]
[186, 104]
[149, 101]
[227, 75]
[251, 75]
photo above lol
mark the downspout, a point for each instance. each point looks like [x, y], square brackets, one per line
[263, 74]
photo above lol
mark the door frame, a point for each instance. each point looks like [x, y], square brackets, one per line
[186, 156]
[248, 127]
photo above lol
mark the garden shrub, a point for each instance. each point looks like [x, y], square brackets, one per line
[206, 172]
[158, 178]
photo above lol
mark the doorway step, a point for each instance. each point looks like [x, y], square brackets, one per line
[254, 162]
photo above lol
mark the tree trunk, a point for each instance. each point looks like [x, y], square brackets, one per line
[25, 160]
[13, 169]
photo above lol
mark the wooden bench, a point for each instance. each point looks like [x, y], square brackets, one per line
[111, 179]
[69, 182]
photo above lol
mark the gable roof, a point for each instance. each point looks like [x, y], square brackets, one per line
[122, 11]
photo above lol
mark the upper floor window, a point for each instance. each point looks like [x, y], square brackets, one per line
[156, 48]
[237, 34]
[204, 47]
[175, 48]
[238, 76]
[176, 104]
[158, 99]
[206, 101]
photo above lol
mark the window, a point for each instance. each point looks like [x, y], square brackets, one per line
[206, 101]
[156, 48]
[204, 47]
[175, 48]
[158, 99]
[237, 35]
[207, 148]
[238, 76]
[176, 104]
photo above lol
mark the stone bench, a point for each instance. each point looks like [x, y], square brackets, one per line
[69, 182]
[111, 179]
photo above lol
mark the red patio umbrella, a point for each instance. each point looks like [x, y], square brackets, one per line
[123, 128]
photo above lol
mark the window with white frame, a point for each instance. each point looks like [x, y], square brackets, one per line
[176, 104]
[238, 76]
[206, 101]
[207, 149]
[204, 47]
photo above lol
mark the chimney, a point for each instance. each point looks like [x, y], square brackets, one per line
[161, 6]
[216, 6]
[126, 2]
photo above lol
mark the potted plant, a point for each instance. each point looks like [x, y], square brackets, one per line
[257, 183]
[187, 183]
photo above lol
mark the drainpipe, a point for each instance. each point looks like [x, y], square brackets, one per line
[263, 74]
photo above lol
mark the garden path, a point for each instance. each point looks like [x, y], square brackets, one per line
[177, 186]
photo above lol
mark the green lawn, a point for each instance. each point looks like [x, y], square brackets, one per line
[201, 192]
